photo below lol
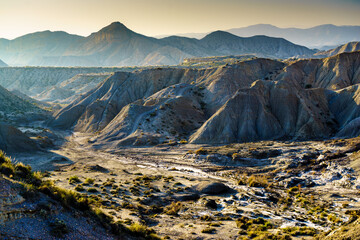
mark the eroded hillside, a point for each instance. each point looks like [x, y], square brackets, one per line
[258, 99]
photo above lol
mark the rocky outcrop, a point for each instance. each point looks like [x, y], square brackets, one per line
[333, 73]
[348, 47]
[13, 140]
[30, 214]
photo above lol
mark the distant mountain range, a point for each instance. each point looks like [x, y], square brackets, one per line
[322, 37]
[116, 45]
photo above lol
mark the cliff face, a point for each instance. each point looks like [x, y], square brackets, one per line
[98, 107]
[268, 110]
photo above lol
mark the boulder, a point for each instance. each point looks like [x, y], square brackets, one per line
[212, 188]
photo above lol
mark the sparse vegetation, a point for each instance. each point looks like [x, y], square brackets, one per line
[173, 208]
[201, 151]
[74, 179]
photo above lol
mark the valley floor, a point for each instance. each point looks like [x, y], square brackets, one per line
[297, 189]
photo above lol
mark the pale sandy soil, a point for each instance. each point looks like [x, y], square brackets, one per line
[173, 167]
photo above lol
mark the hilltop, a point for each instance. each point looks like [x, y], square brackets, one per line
[348, 47]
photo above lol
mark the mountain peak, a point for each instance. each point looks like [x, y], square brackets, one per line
[115, 27]
[220, 35]
[115, 30]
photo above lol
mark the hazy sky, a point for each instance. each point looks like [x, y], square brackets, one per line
[156, 17]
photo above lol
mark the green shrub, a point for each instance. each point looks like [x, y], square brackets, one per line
[58, 228]
[173, 208]
[208, 230]
[142, 231]
[79, 188]
[258, 181]
[92, 190]
[89, 181]
[3, 157]
[300, 231]
[201, 151]
[7, 168]
[74, 179]
[22, 171]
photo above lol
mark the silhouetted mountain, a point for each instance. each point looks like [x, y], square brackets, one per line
[30, 49]
[317, 36]
[116, 45]
[228, 44]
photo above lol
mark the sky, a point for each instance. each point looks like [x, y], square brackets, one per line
[167, 17]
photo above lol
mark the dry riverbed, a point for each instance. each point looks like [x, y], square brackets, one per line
[250, 190]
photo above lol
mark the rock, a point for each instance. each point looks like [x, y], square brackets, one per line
[266, 154]
[348, 47]
[211, 204]
[97, 168]
[13, 140]
[212, 188]
[187, 197]
[295, 181]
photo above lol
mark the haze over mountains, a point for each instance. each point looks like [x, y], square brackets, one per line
[323, 36]
[116, 45]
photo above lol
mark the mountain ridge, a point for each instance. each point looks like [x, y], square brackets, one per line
[321, 34]
[116, 45]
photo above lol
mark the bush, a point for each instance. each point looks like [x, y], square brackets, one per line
[79, 188]
[300, 231]
[58, 228]
[74, 179]
[92, 190]
[258, 181]
[201, 151]
[89, 181]
[173, 208]
[7, 168]
[208, 230]
[22, 171]
[141, 230]
[3, 157]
